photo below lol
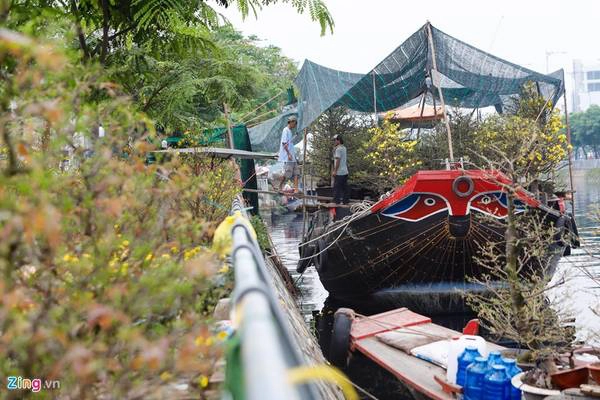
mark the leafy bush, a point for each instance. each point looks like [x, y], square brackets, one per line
[107, 278]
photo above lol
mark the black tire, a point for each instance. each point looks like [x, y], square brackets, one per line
[339, 347]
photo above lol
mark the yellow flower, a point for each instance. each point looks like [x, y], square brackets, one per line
[149, 257]
[66, 258]
[209, 341]
[125, 243]
[174, 249]
[165, 376]
[224, 269]
[86, 255]
[199, 341]
[222, 335]
[203, 381]
[166, 256]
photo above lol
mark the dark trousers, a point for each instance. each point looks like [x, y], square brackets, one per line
[340, 189]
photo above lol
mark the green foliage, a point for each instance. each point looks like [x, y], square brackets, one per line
[107, 274]
[585, 130]
[262, 235]
[179, 61]
[317, 10]
[354, 131]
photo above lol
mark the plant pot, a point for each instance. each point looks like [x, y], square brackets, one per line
[595, 372]
[570, 378]
[532, 392]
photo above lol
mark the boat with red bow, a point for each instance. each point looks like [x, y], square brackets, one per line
[421, 241]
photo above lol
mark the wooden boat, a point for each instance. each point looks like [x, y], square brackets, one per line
[420, 242]
[395, 341]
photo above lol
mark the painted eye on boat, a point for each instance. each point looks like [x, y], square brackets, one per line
[429, 201]
[486, 200]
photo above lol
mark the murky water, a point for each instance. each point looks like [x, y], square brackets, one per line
[579, 294]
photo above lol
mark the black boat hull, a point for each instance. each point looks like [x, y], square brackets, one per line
[409, 263]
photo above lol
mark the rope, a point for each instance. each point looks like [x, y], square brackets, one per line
[363, 208]
[326, 373]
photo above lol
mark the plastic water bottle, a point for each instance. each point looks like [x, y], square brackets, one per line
[494, 383]
[511, 370]
[464, 360]
[494, 358]
[475, 374]
[455, 348]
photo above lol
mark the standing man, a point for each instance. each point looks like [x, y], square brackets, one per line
[287, 155]
[340, 171]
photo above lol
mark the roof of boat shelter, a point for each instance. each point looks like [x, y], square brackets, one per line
[468, 77]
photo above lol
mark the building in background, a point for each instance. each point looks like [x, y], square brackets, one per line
[586, 84]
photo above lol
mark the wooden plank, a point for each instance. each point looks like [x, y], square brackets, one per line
[387, 321]
[300, 195]
[413, 372]
[222, 152]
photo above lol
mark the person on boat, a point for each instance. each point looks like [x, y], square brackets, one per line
[287, 155]
[340, 171]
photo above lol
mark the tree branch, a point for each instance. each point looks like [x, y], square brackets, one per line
[105, 25]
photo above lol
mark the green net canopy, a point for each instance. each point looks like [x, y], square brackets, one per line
[468, 78]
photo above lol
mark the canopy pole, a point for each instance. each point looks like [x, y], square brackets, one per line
[430, 38]
[570, 155]
[421, 116]
[304, 183]
[229, 133]
[375, 99]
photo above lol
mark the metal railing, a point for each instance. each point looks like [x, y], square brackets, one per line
[268, 350]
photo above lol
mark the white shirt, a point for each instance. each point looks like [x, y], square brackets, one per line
[286, 137]
[340, 152]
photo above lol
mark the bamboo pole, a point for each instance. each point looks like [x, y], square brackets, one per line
[229, 133]
[304, 182]
[570, 155]
[430, 37]
[375, 99]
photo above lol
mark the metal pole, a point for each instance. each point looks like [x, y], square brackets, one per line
[304, 183]
[430, 37]
[375, 99]
[229, 133]
[570, 155]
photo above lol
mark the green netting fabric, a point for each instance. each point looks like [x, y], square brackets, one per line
[468, 77]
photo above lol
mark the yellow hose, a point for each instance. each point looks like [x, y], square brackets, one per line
[323, 372]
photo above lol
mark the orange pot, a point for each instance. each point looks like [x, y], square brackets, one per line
[570, 378]
[595, 371]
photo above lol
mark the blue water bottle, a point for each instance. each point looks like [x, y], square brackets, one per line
[494, 358]
[495, 383]
[475, 374]
[464, 360]
[511, 370]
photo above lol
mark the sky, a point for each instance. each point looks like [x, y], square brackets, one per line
[366, 31]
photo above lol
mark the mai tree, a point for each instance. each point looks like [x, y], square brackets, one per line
[525, 146]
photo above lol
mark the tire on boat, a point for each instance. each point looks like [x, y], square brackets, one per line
[339, 347]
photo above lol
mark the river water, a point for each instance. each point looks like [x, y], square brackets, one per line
[577, 278]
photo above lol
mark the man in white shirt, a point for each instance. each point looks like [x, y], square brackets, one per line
[287, 155]
[340, 171]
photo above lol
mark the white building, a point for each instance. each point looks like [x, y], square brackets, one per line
[586, 85]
